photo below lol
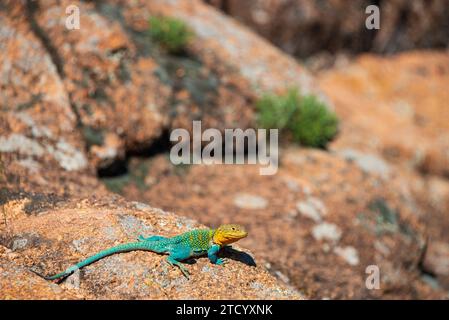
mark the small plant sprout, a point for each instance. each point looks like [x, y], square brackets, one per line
[171, 33]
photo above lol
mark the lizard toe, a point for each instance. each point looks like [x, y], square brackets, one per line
[221, 261]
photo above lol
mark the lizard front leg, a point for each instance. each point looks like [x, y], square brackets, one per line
[212, 255]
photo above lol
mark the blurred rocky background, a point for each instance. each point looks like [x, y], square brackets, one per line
[84, 147]
[304, 28]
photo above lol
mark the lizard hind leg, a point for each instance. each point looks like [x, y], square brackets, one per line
[176, 256]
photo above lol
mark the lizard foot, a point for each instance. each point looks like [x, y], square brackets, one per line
[221, 261]
[183, 269]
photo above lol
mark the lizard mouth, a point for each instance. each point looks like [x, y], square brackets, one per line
[240, 235]
[230, 238]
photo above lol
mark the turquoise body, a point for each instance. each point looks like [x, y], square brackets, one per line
[193, 243]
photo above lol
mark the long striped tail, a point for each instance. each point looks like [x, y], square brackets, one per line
[126, 247]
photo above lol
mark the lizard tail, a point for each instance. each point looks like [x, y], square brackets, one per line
[56, 276]
[107, 252]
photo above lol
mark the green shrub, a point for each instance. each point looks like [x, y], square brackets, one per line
[116, 184]
[171, 33]
[276, 111]
[307, 119]
[314, 125]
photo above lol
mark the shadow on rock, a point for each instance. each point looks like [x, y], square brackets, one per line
[231, 253]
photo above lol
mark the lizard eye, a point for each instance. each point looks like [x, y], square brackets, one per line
[233, 229]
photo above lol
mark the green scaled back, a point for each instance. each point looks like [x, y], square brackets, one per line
[198, 239]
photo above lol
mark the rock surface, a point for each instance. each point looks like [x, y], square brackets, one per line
[395, 107]
[359, 219]
[100, 93]
[56, 238]
[395, 112]
[105, 78]
[223, 41]
[18, 283]
[39, 143]
[436, 261]
[100, 102]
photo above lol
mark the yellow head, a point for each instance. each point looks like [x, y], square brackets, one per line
[229, 233]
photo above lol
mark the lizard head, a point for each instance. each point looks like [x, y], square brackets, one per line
[229, 233]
